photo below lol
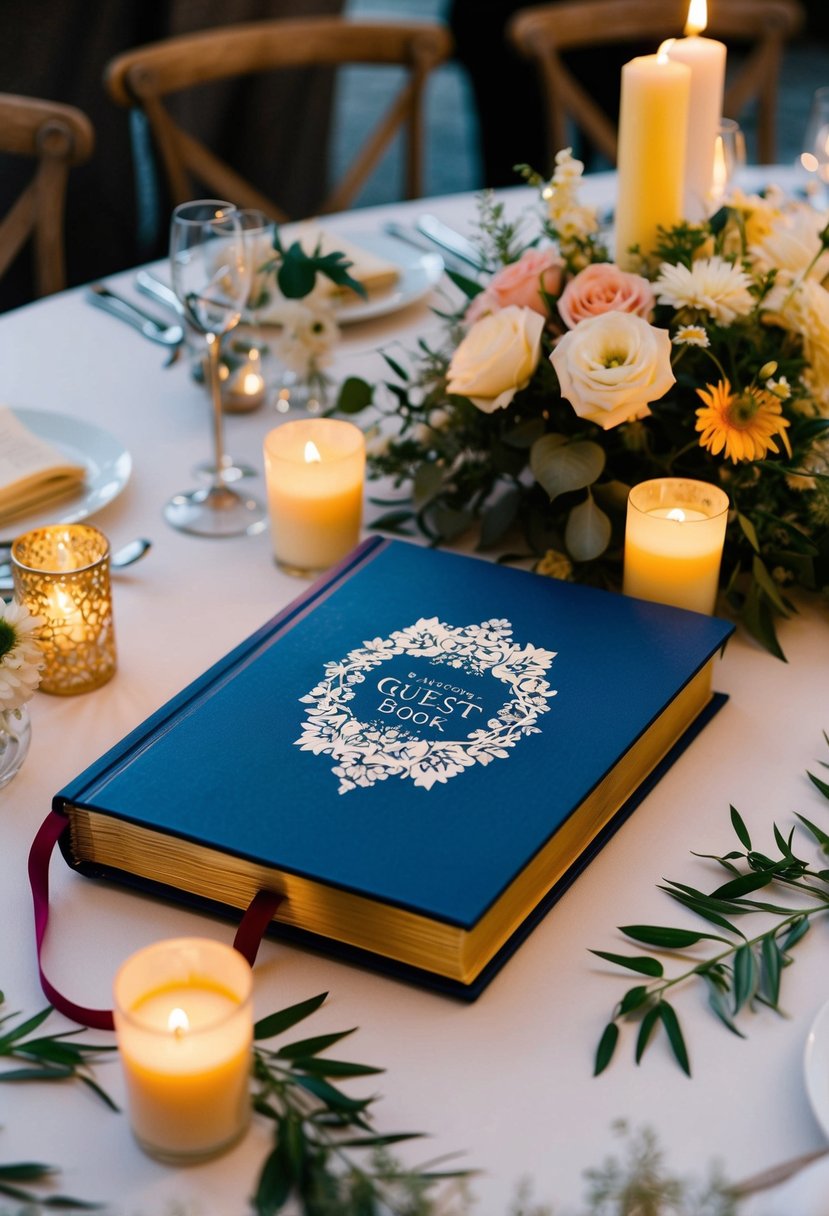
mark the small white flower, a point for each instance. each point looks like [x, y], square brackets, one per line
[21, 658]
[780, 387]
[307, 336]
[691, 335]
[567, 215]
[712, 286]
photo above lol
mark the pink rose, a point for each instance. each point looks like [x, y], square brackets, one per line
[603, 287]
[521, 284]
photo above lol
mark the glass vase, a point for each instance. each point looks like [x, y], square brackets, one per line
[15, 736]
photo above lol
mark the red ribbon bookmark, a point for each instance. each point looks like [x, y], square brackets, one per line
[248, 938]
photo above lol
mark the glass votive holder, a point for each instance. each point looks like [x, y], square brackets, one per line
[674, 538]
[315, 469]
[61, 573]
[184, 1023]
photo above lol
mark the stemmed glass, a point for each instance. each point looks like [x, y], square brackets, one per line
[815, 156]
[211, 274]
[729, 160]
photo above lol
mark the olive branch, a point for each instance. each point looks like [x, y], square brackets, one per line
[744, 971]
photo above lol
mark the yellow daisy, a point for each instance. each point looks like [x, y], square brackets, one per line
[745, 424]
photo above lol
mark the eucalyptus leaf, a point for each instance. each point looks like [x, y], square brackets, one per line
[587, 532]
[823, 786]
[354, 396]
[745, 976]
[749, 531]
[668, 939]
[498, 518]
[561, 467]
[606, 1048]
[645, 1030]
[312, 1047]
[768, 585]
[275, 1023]
[818, 833]
[642, 964]
[634, 998]
[740, 828]
[670, 1021]
[745, 884]
[718, 1005]
[772, 962]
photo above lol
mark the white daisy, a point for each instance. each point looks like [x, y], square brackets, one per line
[712, 286]
[780, 387]
[21, 659]
[691, 335]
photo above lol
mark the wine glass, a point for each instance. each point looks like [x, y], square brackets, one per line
[729, 160]
[211, 274]
[815, 155]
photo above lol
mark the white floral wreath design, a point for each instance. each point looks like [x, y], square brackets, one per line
[367, 753]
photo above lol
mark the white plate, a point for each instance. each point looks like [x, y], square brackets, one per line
[108, 467]
[419, 272]
[816, 1067]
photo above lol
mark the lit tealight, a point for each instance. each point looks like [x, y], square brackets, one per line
[676, 513]
[312, 454]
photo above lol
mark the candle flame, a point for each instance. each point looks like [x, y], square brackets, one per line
[664, 52]
[178, 1022]
[676, 513]
[312, 455]
[252, 384]
[697, 17]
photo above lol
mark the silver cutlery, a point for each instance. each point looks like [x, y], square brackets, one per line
[125, 556]
[157, 331]
[447, 238]
[416, 240]
[159, 291]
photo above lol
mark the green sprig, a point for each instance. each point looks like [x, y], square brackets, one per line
[746, 972]
[327, 1154]
[55, 1057]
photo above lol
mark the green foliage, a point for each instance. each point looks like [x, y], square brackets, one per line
[296, 271]
[56, 1057]
[327, 1155]
[742, 972]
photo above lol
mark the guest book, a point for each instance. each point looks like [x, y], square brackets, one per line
[419, 754]
[32, 472]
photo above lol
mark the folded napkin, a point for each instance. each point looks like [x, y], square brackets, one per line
[32, 472]
[375, 273]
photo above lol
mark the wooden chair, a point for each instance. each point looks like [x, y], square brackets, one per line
[543, 32]
[145, 77]
[57, 137]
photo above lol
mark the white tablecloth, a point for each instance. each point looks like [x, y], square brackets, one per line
[506, 1081]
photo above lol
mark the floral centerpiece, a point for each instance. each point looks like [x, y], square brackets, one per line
[21, 660]
[564, 380]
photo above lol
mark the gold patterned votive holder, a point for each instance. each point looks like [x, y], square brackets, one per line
[61, 574]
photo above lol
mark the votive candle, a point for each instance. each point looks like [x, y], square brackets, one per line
[315, 469]
[183, 1018]
[674, 539]
[61, 574]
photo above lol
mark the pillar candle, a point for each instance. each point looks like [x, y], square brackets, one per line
[185, 1032]
[705, 57]
[653, 122]
[674, 539]
[315, 469]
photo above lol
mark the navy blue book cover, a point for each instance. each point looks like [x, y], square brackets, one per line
[413, 729]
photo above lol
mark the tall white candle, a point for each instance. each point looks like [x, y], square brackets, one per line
[706, 59]
[653, 123]
[185, 1032]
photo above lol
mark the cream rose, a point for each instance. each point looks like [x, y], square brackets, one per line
[603, 287]
[497, 358]
[611, 366]
[520, 283]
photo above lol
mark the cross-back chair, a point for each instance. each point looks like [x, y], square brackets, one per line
[545, 31]
[148, 76]
[56, 137]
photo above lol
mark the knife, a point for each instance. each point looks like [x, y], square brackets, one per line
[158, 290]
[450, 240]
[149, 326]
